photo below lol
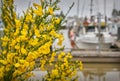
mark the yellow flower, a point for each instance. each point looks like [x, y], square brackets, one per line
[81, 65]
[31, 56]
[69, 55]
[18, 39]
[53, 54]
[4, 43]
[68, 71]
[61, 38]
[22, 61]
[2, 69]
[39, 10]
[24, 32]
[4, 62]
[49, 79]
[16, 73]
[13, 42]
[16, 32]
[33, 42]
[29, 18]
[36, 5]
[45, 49]
[51, 26]
[5, 51]
[6, 29]
[23, 38]
[59, 57]
[62, 53]
[30, 37]
[57, 20]
[50, 11]
[55, 72]
[10, 57]
[29, 74]
[32, 65]
[26, 64]
[8, 67]
[17, 46]
[52, 59]
[23, 51]
[25, 26]
[17, 65]
[18, 23]
[42, 62]
[53, 33]
[5, 38]
[37, 33]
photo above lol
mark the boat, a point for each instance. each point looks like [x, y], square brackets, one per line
[95, 34]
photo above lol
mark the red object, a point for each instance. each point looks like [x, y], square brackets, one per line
[85, 23]
[72, 38]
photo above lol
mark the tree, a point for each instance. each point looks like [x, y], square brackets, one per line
[28, 39]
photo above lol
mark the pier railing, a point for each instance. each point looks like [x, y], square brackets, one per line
[92, 55]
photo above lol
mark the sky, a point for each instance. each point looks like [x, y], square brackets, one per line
[82, 10]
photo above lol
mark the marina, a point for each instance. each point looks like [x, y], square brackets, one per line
[97, 57]
[90, 55]
[91, 72]
[94, 37]
[91, 37]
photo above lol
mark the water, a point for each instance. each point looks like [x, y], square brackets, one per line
[100, 72]
[95, 71]
[91, 72]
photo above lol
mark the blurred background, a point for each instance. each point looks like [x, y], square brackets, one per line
[92, 35]
[81, 7]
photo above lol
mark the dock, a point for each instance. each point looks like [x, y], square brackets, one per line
[117, 43]
[95, 56]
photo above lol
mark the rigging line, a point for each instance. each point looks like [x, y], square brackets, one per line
[105, 16]
[105, 7]
[83, 7]
[97, 4]
[118, 6]
[114, 7]
[91, 7]
[78, 5]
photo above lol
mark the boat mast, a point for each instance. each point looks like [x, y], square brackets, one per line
[105, 11]
[114, 5]
[78, 8]
[91, 7]
[99, 32]
[83, 7]
[105, 7]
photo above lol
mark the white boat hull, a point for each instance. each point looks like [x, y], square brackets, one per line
[82, 45]
[91, 41]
